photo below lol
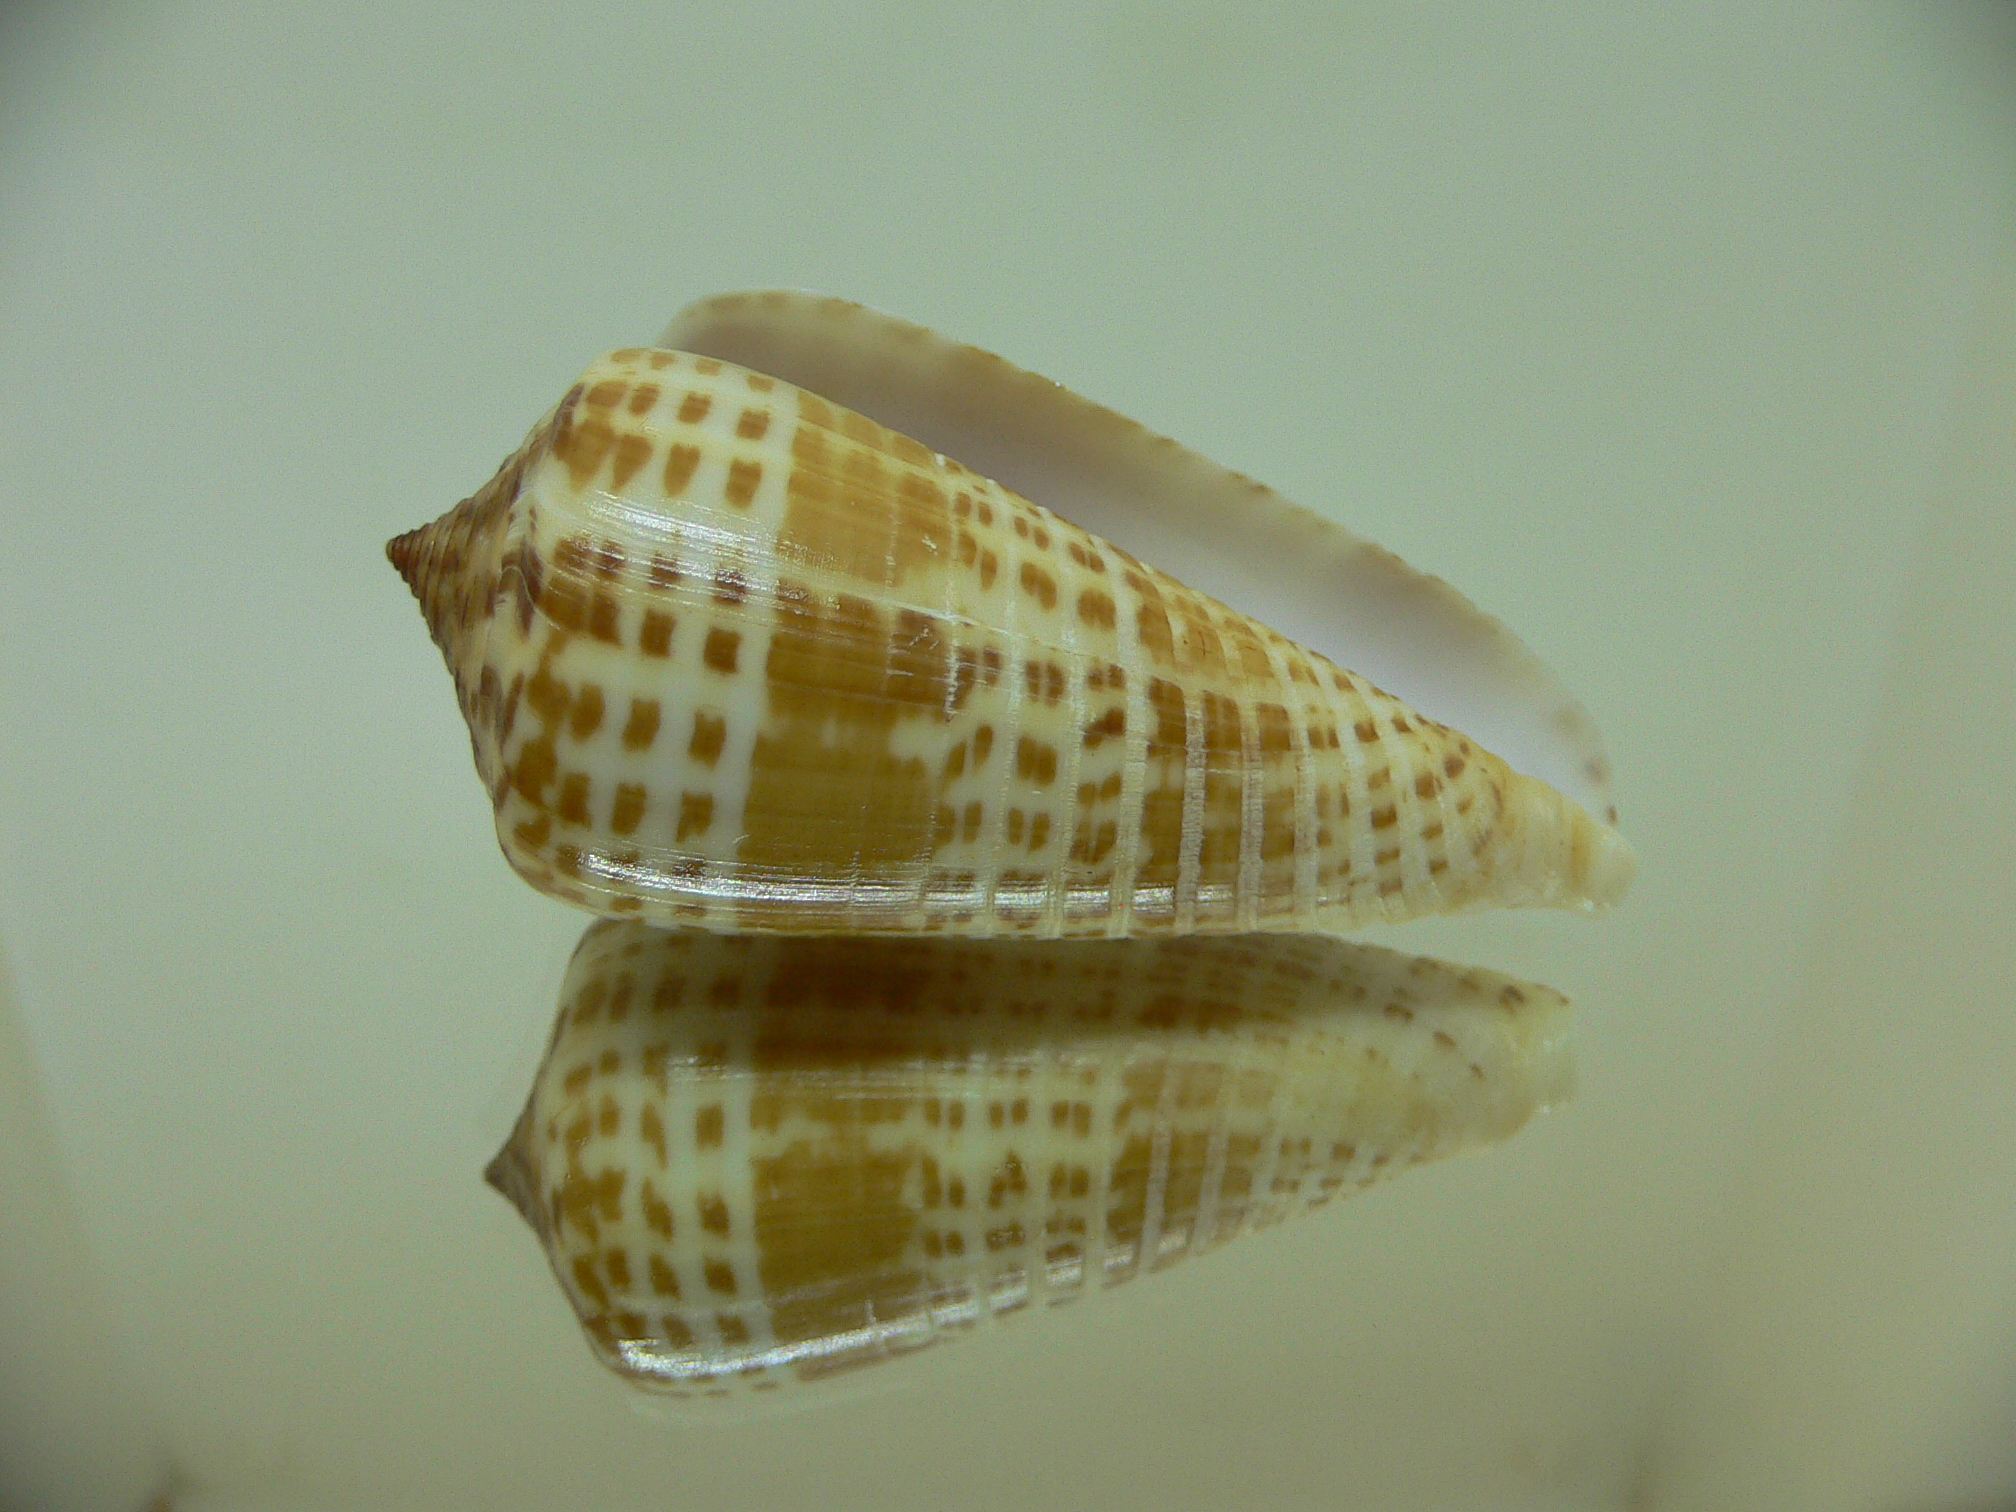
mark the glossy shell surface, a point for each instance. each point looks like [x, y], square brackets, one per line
[758, 1160]
[734, 655]
[971, 870]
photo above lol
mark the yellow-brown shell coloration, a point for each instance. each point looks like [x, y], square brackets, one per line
[762, 1159]
[735, 656]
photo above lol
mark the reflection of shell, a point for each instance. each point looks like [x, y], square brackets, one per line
[734, 655]
[758, 1158]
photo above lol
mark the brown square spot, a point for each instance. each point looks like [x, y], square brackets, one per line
[1035, 761]
[663, 1282]
[1095, 608]
[628, 809]
[631, 453]
[707, 1127]
[723, 646]
[743, 476]
[655, 638]
[721, 1277]
[696, 814]
[651, 1129]
[710, 733]
[642, 727]
[657, 1214]
[586, 716]
[679, 464]
[572, 806]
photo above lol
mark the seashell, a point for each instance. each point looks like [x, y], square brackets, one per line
[734, 655]
[755, 1160]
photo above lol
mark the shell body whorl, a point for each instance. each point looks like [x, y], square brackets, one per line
[753, 1160]
[734, 656]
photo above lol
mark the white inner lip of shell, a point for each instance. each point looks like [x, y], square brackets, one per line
[1205, 526]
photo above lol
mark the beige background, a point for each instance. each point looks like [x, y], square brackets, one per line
[1685, 340]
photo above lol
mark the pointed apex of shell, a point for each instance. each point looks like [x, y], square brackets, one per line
[405, 553]
[435, 569]
[512, 1176]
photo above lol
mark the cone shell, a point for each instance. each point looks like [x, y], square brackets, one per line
[733, 655]
[756, 1160]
